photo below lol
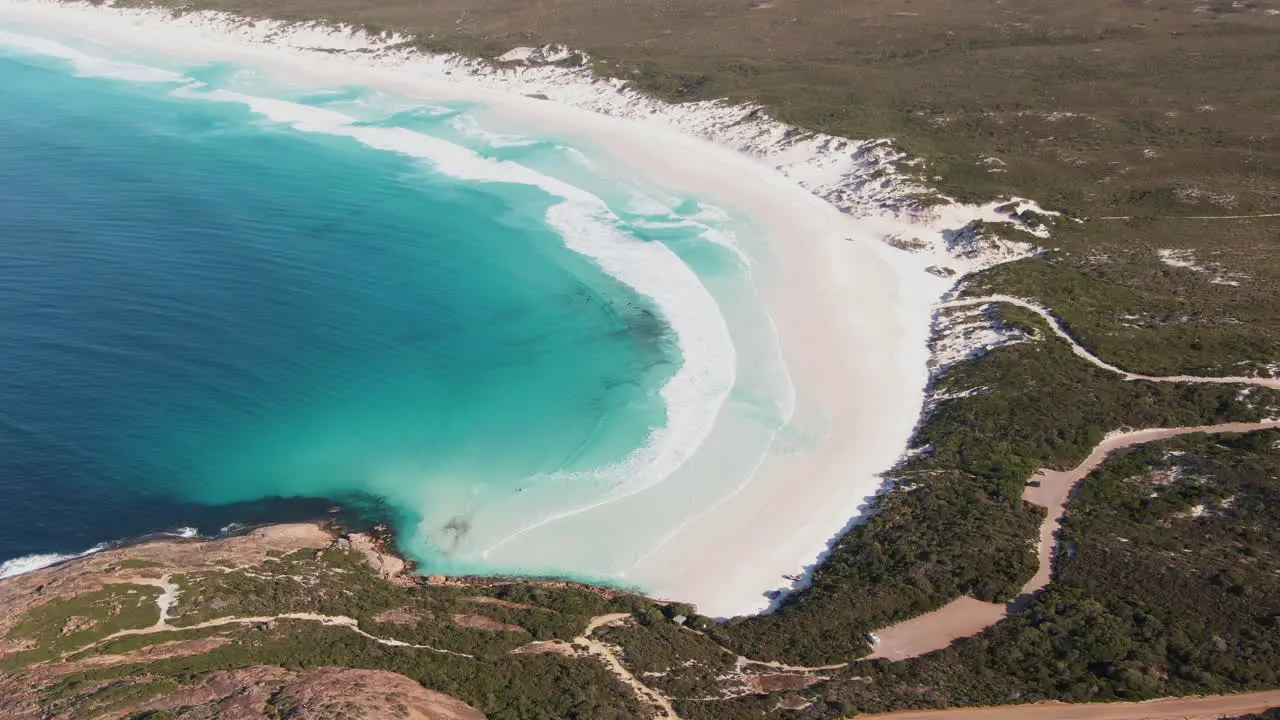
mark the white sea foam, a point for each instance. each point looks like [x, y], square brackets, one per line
[693, 396]
[27, 563]
[87, 65]
[576, 156]
[468, 126]
[644, 203]
[852, 314]
[660, 213]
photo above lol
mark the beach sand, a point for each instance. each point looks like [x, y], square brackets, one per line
[852, 316]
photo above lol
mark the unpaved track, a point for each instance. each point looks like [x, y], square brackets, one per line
[1188, 217]
[169, 595]
[961, 618]
[656, 700]
[659, 702]
[966, 616]
[1189, 708]
[1080, 351]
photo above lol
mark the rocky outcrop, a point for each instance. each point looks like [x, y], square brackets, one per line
[322, 694]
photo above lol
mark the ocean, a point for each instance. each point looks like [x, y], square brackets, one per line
[226, 300]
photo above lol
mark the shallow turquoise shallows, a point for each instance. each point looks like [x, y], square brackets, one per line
[208, 316]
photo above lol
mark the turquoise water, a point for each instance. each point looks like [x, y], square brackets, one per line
[224, 299]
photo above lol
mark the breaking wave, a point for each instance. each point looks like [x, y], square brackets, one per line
[28, 563]
[693, 396]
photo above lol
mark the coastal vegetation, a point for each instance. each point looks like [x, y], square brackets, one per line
[1153, 538]
[672, 659]
[461, 638]
[58, 626]
[336, 582]
[1169, 584]
[509, 686]
[967, 90]
[1125, 302]
[955, 524]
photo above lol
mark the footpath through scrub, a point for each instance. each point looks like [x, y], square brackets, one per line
[1080, 351]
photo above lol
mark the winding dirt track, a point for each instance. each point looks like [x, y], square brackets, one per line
[1190, 708]
[1049, 489]
[1190, 217]
[1082, 352]
[169, 595]
[659, 702]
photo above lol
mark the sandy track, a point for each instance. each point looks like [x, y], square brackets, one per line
[659, 702]
[656, 700]
[1049, 489]
[1189, 217]
[1080, 351]
[167, 597]
[1190, 708]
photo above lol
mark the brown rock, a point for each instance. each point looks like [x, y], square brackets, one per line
[373, 694]
[402, 616]
[480, 622]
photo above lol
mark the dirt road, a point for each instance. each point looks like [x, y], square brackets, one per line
[1191, 708]
[1049, 489]
[1082, 352]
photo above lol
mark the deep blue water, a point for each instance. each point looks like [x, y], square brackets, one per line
[208, 317]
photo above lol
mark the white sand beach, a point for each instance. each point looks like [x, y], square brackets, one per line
[852, 314]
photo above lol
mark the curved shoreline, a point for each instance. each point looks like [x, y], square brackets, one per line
[811, 194]
[856, 410]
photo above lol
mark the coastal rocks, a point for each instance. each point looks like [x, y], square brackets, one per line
[144, 562]
[328, 692]
[389, 566]
[263, 690]
[403, 616]
[482, 622]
